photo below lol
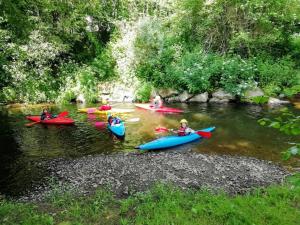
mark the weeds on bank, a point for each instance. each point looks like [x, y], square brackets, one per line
[163, 204]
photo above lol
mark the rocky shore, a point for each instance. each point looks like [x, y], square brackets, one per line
[125, 174]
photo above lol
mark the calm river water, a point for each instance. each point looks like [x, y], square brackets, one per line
[237, 133]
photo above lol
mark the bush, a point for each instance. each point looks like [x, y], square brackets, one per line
[279, 73]
[289, 92]
[144, 93]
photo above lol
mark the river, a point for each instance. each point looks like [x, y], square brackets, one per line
[237, 133]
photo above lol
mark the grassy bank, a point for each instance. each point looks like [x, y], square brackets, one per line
[162, 205]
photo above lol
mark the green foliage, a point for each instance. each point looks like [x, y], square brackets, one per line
[162, 205]
[287, 123]
[41, 38]
[244, 28]
[144, 93]
[260, 99]
[167, 205]
[280, 73]
[188, 45]
[272, 89]
[233, 45]
[20, 213]
[292, 90]
[292, 151]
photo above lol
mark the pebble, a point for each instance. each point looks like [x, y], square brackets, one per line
[132, 172]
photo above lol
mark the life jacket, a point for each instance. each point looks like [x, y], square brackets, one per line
[105, 107]
[181, 131]
[114, 120]
[117, 120]
[46, 115]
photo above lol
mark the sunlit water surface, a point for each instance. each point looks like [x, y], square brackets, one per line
[237, 133]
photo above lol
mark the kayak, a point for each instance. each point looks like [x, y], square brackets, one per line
[97, 111]
[172, 141]
[117, 129]
[161, 109]
[57, 120]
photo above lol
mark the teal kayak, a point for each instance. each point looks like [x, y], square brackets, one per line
[172, 141]
[117, 129]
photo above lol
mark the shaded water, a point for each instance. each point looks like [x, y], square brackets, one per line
[237, 133]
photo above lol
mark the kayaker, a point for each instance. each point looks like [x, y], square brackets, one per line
[46, 115]
[105, 105]
[183, 129]
[157, 102]
[113, 120]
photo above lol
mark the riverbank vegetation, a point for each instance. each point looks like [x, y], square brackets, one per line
[58, 50]
[162, 205]
[289, 124]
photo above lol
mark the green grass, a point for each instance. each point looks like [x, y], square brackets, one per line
[162, 205]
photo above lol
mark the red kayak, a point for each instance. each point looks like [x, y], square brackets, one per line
[57, 120]
[161, 109]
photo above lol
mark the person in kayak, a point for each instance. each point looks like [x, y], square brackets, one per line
[105, 105]
[113, 120]
[157, 102]
[183, 129]
[46, 115]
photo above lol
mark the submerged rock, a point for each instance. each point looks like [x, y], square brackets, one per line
[217, 100]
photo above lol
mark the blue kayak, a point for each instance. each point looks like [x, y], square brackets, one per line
[172, 141]
[117, 129]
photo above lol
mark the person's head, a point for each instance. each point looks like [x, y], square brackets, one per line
[183, 123]
[157, 97]
[104, 101]
[45, 110]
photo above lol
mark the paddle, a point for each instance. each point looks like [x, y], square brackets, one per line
[30, 124]
[204, 134]
[62, 114]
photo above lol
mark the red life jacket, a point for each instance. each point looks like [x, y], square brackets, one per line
[181, 131]
[105, 107]
[48, 115]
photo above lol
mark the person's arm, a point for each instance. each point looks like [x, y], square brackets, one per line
[173, 131]
[160, 104]
[189, 130]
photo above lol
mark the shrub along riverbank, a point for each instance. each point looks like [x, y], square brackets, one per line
[59, 51]
[162, 205]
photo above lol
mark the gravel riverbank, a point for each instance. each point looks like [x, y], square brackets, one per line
[128, 173]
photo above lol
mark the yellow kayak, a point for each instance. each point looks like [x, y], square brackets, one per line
[97, 111]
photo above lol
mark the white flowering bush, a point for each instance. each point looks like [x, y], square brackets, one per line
[30, 71]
